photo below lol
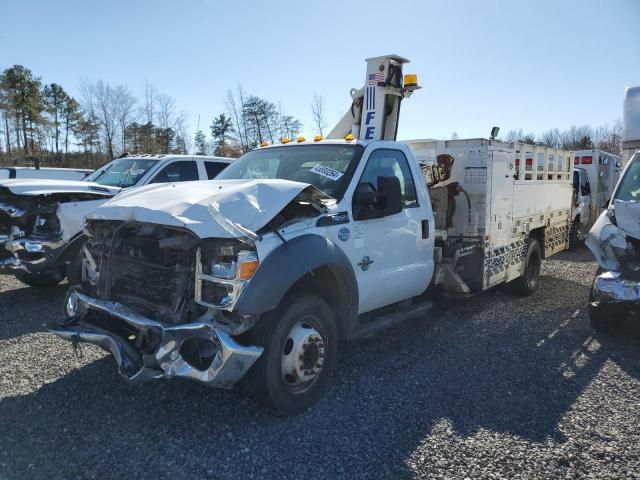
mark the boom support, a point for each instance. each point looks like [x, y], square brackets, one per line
[375, 109]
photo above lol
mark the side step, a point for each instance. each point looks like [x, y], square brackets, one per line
[387, 320]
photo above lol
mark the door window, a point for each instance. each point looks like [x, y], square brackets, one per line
[584, 184]
[214, 168]
[385, 163]
[182, 171]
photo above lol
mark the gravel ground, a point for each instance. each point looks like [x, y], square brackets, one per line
[491, 387]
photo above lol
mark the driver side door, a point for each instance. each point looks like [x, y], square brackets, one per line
[391, 252]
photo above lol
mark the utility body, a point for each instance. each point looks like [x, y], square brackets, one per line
[259, 273]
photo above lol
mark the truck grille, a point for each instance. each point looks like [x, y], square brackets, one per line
[150, 269]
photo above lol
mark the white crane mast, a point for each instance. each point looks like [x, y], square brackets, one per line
[375, 109]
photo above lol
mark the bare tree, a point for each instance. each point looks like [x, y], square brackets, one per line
[235, 109]
[551, 138]
[610, 138]
[182, 131]
[166, 113]
[318, 113]
[150, 95]
[101, 101]
[125, 107]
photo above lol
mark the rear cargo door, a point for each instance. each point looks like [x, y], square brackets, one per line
[501, 209]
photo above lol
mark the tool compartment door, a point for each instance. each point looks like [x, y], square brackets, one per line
[500, 215]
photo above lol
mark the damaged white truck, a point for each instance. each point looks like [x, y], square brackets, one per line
[615, 238]
[41, 220]
[259, 273]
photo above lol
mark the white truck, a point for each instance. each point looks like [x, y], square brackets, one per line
[41, 220]
[259, 273]
[615, 237]
[595, 174]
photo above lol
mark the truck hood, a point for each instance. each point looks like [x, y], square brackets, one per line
[628, 217]
[49, 187]
[610, 243]
[210, 209]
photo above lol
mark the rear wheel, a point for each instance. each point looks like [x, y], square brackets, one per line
[528, 283]
[300, 346]
[46, 279]
[573, 235]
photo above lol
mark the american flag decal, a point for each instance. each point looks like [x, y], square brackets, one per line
[375, 78]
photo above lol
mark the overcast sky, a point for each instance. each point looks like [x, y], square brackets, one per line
[515, 64]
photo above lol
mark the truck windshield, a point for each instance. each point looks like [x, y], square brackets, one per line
[629, 189]
[123, 172]
[325, 167]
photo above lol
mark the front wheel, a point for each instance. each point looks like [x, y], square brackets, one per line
[526, 284]
[605, 317]
[300, 344]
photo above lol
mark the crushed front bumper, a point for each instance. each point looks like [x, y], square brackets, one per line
[31, 255]
[612, 287]
[226, 360]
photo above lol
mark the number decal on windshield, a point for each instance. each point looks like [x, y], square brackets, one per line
[327, 172]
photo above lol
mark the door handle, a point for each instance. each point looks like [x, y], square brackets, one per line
[425, 229]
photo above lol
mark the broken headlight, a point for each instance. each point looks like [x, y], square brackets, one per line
[223, 268]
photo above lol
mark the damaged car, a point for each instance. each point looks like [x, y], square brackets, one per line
[41, 220]
[615, 242]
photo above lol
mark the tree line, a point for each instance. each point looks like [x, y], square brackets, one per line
[41, 122]
[605, 137]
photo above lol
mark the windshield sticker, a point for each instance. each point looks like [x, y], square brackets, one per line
[326, 172]
[136, 171]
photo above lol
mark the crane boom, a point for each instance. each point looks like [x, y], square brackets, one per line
[375, 108]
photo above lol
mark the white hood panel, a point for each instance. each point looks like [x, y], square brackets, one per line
[628, 217]
[210, 209]
[49, 187]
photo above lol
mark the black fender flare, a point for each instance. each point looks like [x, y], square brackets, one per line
[71, 248]
[291, 261]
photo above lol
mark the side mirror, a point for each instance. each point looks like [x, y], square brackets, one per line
[389, 195]
[586, 190]
[386, 200]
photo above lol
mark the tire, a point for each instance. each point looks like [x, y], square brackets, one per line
[528, 282]
[573, 236]
[48, 279]
[302, 324]
[74, 270]
[605, 317]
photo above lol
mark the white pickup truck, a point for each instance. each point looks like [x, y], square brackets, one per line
[615, 237]
[259, 273]
[41, 220]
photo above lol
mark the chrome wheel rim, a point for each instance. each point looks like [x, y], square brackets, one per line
[302, 356]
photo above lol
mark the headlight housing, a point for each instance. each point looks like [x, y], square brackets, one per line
[223, 268]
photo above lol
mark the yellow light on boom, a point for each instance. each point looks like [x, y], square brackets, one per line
[301, 139]
[317, 138]
[264, 143]
[349, 137]
[285, 140]
[411, 80]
